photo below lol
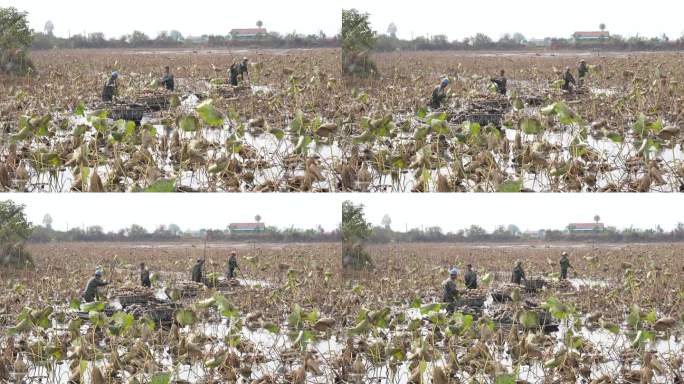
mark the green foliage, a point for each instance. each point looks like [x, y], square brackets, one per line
[358, 39]
[557, 309]
[160, 378]
[505, 379]
[185, 317]
[15, 230]
[162, 186]
[354, 226]
[209, 114]
[530, 125]
[14, 28]
[355, 230]
[529, 319]
[187, 123]
[120, 323]
[97, 306]
[511, 186]
[15, 38]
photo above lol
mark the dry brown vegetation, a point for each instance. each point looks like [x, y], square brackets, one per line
[243, 141]
[299, 318]
[619, 132]
[301, 128]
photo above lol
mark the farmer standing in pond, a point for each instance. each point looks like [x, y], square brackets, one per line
[197, 271]
[145, 276]
[234, 73]
[168, 81]
[501, 83]
[518, 273]
[568, 80]
[91, 293]
[439, 94]
[470, 277]
[582, 71]
[450, 291]
[232, 265]
[244, 69]
[111, 88]
[564, 265]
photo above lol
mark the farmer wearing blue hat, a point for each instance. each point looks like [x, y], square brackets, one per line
[91, 294]
[439, 94]
[111, 87]
[450, 291]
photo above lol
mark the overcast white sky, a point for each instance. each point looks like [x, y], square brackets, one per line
[457, 19]
[532, 18]
[189, 211]
[451, 212]
[196, 17]
[527, 211]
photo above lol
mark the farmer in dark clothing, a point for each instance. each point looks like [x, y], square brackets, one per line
[501, 83]
[470, 277]
[232, 265]
[91, 294]
[145, 276]
[111, 88]
[234, 73]
[518, 273]
[450, 296]
[197, 271]
[439, 94]
[582, 70]
[244, 69]
[168, 81]
[568, 80]
[564, 265]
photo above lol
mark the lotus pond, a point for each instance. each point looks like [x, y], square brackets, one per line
[298, 126]
[294, 316]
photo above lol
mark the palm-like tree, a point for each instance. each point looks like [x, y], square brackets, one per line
[597, 218]
[257, 218]
[260, 24]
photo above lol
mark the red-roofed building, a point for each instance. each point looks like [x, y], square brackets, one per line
[248, 33]
[247, 227]
[586, 227]
[591, 36]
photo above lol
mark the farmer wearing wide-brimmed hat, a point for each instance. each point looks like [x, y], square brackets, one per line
[91, 294]
[564, 265]
[518, 273]
[197, 271]
[450, 291]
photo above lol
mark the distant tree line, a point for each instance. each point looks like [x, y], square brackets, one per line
[508, 234]
[175, 39]
[516, 41]
[170, 233]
